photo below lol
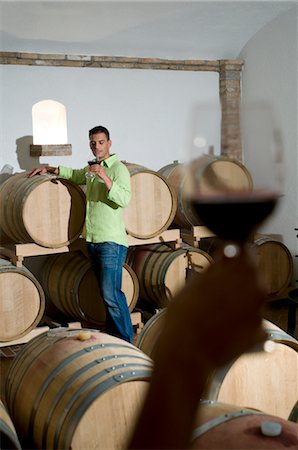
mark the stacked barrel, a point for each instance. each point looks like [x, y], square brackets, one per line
[66, 388]
[78, 389]
[257, 387]
[161, 268]
[103, 380]
[274, 259]
[264, 380]
[153, 203]
[50, 212]
[42, 210]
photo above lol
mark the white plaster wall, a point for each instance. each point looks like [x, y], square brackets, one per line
[153, 116]
[270, 77]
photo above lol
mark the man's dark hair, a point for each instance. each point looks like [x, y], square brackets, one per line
[100, 129]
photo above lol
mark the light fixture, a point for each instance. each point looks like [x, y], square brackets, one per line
[49, 125]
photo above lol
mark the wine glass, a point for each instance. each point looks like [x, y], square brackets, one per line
[233, 210]
[91, 160]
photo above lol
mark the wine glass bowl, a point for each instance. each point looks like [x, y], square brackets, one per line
[234, 216]
[91, 162]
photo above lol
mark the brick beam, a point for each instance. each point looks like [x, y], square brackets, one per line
[116, 62]
[230, 97]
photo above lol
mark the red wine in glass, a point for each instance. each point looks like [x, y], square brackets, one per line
[92, 162]
[235, 215]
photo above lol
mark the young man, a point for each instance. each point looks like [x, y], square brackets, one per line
[108, 192]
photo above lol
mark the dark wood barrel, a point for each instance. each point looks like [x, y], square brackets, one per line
[228, 173]
[43, 209]
[275, 264]
[71, 285]
[153, 203]
[162, 271]
[150, 333]
[22, 301]
[77, 389]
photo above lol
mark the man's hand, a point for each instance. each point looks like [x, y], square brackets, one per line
[99, 171]
[43, 171]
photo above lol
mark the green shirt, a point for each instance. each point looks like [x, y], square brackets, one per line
[104, 209]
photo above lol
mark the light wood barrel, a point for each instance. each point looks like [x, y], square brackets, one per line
[263, 380]
[71, 285]
[228, 173]
[223, 426]
[43, 209]
[153, 203]
[22, 301]
[8, 435]
[275, 264]
[162, 271]
[150, 333]
[78, 389]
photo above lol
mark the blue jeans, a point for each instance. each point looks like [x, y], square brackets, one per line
[107, 259]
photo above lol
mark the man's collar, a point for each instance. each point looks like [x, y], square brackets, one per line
[109, 161]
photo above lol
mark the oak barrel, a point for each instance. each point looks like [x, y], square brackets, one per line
[263, 380]
[22, 301]
[162, 271]
[78, 389]
[150, 333]
[43, 209]
[275, 264]
[224, 426]
[8, 436]
[71, 285]
[153, 203]
[228, 173]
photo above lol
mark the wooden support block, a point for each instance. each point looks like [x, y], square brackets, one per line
[195, 234]
[74, 325]
[136, 318]
[189, 238]
[17, 252]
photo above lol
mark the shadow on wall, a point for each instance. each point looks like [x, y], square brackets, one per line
[25, 160]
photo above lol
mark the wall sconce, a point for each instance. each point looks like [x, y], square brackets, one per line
[49, 129]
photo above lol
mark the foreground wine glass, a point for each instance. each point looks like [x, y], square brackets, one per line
[234, 211]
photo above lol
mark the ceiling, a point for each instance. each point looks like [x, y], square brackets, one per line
[160, 29]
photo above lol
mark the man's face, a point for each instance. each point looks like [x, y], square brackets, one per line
[100, 146]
